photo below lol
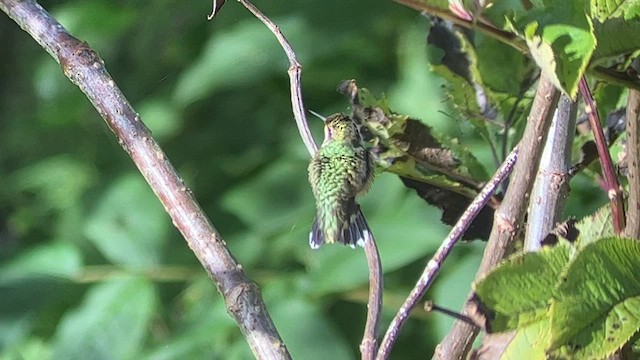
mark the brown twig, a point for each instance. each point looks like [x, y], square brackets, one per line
[509, 217]
[369, 345]
[614, 193]
[549, 193]
[86, 69]
[632, 229]
[433, 267]
[294, 77]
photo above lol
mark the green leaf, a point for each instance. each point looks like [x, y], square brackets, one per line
[605, 9]
[57, 259]
[529, 342]
[111, 323]
[562, 50]
[597, 307]
[595, 226]
[519, 290]
[129, 225]
[616, 37]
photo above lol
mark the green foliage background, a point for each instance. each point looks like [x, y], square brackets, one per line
[90, 265]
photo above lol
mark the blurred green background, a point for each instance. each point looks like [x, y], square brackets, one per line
[90, 265]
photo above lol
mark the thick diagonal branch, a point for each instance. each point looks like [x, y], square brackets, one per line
[551, 187]
[633, 160]
[509, 217]
[86, 69]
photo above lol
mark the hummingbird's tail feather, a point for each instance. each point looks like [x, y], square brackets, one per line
[355, 232]
[316, 236]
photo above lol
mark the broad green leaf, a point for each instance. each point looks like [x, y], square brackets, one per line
[563, 51]
[518, 291]
[502, 68]
[616, 37]
[606, 335]
[605, 9]
[530, 342]
[111, 323]
[597, 306]
[129, 225]
[596, 226]
[56, 259]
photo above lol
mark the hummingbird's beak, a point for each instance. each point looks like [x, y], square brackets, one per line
[318, 115]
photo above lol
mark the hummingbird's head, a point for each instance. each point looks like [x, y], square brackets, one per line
[340, 127]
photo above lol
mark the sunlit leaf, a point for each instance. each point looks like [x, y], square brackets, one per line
[518, 292]
[597, 306]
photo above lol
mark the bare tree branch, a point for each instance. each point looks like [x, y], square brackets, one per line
[433, 267]
[294, 78]
[550, 189]
[509, 217]
[633, 160]
[86, 69]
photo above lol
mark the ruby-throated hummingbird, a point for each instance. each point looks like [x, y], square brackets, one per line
[341, 169]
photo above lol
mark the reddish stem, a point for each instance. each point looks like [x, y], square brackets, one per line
[610, 179]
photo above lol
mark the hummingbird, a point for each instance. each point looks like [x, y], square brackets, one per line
[341, 169]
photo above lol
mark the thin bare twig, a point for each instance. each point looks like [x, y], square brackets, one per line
[614, 193]
[369, 345]
[429, 306]
[294, 78]
[433, 267]
[633, 160]
[509, 217]
[86, 69]
[550, 189]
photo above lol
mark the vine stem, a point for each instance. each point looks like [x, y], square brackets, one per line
[86, 69]
[434, 265]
